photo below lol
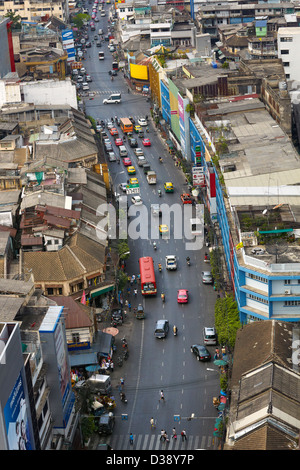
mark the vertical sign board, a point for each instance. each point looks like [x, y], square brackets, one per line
[16, 419]
[55, 352]
[184, 126]
[68, 44]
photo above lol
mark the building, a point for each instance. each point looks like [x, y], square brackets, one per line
[288, 46]
[264, 400]
[7, 61]
[35, 10]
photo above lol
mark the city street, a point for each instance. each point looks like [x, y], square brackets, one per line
[156, 364]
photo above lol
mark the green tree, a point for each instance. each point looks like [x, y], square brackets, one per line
[16, 20]
[227, 320]
[79, 19]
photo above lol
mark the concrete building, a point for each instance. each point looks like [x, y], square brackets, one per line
[288, 50]
[34, 10]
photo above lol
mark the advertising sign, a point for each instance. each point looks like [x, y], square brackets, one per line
[198, 176]
[68, 44]
[17, 420]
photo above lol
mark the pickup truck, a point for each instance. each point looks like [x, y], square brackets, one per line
[151, 177]
[171, 262]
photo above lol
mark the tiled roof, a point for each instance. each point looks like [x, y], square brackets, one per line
[74, 313]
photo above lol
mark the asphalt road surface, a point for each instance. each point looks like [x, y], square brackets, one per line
[156, 364]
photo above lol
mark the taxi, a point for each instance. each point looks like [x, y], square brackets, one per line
[127, 161]
[146, 142]
[186, 198]
[114, 131]
[182, 296]
[119, 142]
[131, 170]
[133, 181]
[163, 229]
[169, 188]
[138, 129]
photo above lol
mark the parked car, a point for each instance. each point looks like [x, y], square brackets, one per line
[207, 277]
[209, 336]
[201, 353]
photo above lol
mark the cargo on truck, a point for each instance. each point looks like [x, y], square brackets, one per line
[151, 177]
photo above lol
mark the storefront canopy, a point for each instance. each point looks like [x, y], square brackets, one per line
[101, 290]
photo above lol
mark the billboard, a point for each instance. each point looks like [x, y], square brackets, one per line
[17, 419]
[139, 71]
[68, 44]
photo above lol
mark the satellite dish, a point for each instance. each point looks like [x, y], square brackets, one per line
[277, 248]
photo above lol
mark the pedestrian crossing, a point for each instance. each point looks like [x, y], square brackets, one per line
[153, 442]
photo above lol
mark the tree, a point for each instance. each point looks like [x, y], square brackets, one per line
[16, 20]
[227, 320]
[79, 19]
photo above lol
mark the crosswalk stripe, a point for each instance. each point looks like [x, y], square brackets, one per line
[152, 442]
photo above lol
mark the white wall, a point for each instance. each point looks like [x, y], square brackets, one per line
[50, 92]
[293, 46]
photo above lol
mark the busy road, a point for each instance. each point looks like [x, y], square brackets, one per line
[158, 364]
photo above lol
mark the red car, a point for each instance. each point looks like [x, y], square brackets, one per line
[186, 198]
[119, 142]
[182, 296]
[127, 161]
[114, 131]
[146, 143]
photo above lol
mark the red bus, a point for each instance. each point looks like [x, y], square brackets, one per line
[148, 283]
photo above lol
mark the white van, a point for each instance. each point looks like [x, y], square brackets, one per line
[85, 87]
[100, 31]
[115, 98]
[123, 151]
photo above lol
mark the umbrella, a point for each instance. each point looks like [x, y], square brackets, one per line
[92, 368]
[111, 331]
[220, 362]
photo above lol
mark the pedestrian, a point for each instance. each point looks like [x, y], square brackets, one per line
[162, 396]
[183, 435]
[131, 439]
[135, 292]
[126, 303]
[166, 437]
[162, 435]
[174, 434]
[129, 306]
[152, 423]
[111, 366]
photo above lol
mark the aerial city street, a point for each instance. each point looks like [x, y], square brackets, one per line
[149, 225]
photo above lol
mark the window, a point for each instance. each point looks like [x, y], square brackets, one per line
[75, 337]
[286, 39]
[287, 282]
[291, 303]
[257, 278]
[284, 52]
[286, 64]
[257, 299]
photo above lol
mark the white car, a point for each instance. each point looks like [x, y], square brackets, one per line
[112, 157]
[123, 186]
[171, 262]
[139, 152]
[142, 122]
[137, 200]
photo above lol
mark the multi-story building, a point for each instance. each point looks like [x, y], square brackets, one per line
[288, 50]
[34, 10]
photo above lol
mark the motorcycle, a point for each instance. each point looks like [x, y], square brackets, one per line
[160, 159]
[159, 192]
[160, 268]
[175, 330]
[126, 355]
[206, 258]
[154, 246]
[124, 343]
[123, 397]
[188, 261]
[162, 297]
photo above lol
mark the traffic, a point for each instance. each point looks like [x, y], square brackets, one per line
[172, 294]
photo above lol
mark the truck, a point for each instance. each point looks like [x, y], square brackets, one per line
[105, 423]
[100, 383]
[151, 177]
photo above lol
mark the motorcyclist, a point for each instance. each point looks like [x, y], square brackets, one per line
[162, 295]
[154, 245]
[188, 260]
[159, 192]
[159, 266]
[175, 330]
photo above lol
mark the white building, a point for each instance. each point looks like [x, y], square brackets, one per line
[288, 51]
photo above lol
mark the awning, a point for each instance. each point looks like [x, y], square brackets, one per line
[101, 290]
[83, 359]
[104, 343]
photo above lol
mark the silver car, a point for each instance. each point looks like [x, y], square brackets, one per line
[207, 277]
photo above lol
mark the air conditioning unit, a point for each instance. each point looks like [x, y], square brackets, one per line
[287, 291]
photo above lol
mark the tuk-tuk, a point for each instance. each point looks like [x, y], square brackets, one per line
[140, 314]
